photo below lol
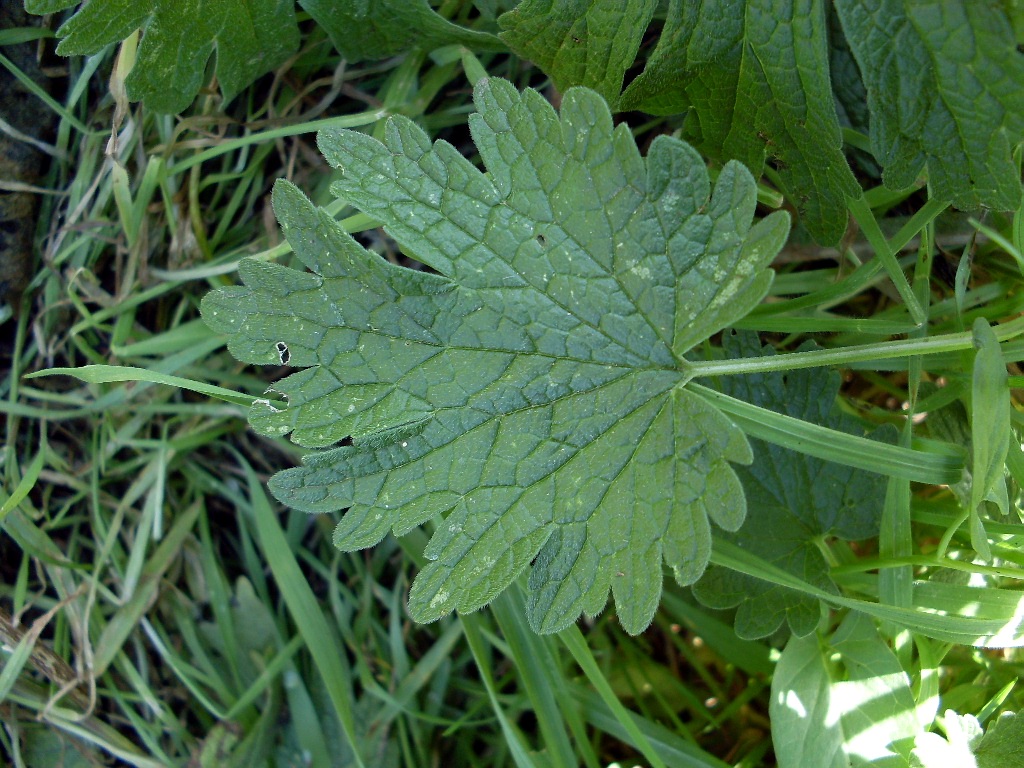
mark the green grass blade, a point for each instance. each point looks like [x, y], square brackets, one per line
[542, 679]
[514, 739]
[25, 484]
[840, 447]
[869, 226]
[573, 640]
[106, 374]
[672, 749]
[128, 615]
[303, 607]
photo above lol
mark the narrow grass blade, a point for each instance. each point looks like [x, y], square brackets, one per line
[543, 681]
[513, 737]
[675, 751]
[129, 614]
[573, 640]
[308, 617]
[105, 374]
[17, 658]
[27, 482]
[840, 447]
[869, 226]
[358, 120]
[990, 429]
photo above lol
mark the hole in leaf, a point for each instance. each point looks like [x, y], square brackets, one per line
[282, 352]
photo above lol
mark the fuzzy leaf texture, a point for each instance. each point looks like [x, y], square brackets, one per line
[945, 88]
[250, 37]
[532, 392]
[795, 500]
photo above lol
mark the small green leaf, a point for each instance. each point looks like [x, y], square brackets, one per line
[580, 42]
[799, 708]
[841, 705]
[251, 37]
[756, 78]
[794, 501]
[530, 397]
[376, 29]
[945, 86]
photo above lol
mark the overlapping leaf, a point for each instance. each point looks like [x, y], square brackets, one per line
[794, 502]
[250, 37]
[756, 78]
[945, 87]
[376, 29]
[967, 745]
[532, 393]
[580, 42]
[825, 718]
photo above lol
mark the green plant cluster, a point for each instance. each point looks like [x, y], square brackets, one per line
[652, 371]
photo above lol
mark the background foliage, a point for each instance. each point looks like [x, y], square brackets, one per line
[158, 608]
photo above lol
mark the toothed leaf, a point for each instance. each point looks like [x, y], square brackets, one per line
[530, 396]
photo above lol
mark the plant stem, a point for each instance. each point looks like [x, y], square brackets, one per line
[927, 561]
[886, 350]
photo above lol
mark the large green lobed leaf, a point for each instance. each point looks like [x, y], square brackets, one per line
[529, 398]
[942, 93]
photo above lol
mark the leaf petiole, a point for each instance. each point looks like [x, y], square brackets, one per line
[886, 350]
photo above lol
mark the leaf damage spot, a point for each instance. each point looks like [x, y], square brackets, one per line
[282, 352]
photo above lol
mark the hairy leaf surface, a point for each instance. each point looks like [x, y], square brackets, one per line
[945, 87]
[250, 37]
[795, 500]
[756, 78]
[580, 42]
[531, 393]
